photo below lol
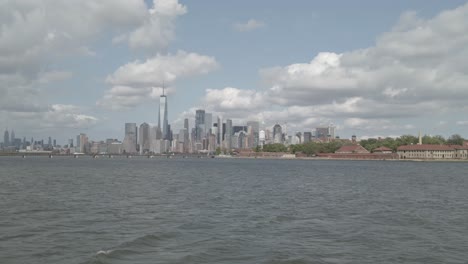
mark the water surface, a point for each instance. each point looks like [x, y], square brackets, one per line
[84, 210]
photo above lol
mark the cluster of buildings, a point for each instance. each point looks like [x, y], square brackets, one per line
[210, 134]
[207, 134]
[11, 143]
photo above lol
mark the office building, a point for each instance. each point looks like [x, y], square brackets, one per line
[199, 124]
[162, 118]
[144, 138]
[131, 138]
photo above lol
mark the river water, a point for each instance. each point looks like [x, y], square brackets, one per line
[84, 210]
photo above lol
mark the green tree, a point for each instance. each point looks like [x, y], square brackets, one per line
[455, 140]
[277, 147]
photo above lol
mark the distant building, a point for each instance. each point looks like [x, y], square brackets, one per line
[82, 143]
[325, 133]
[307, 137]
[352, 149]
[255, 131]
[162, 118]
[6, 138]
[144, 138]
[208, 124]
[382, 150]
[199, 125]
[228, 134]
[426, 151]
[277, 134]
[131, 138]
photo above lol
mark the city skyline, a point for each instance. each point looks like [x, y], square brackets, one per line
[403, 73]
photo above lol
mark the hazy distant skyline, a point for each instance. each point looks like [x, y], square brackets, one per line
[371, 68]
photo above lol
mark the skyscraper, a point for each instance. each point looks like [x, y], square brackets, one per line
[228, 135]
[82, 143]
[130, 139]
[219, 135]
[208, 123]
[199, 124]
[255, 131]
[186, 135]
[6, 139]
[144, 138]
[277, 134]
[162, 118]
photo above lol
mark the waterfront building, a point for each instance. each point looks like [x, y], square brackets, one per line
[82, 145]
[352, 149]
[130, 139]
[427, 151]
[382, 150]
[144, 138]
[114, 147]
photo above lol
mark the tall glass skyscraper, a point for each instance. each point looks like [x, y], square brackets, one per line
[199, 124]
[162, 119]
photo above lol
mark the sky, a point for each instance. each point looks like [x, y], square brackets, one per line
[370, 68]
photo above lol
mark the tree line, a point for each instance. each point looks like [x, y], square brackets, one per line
[313, 148]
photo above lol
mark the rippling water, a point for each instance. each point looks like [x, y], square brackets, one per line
[66, 210]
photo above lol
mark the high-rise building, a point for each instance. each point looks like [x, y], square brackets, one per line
[162, 119]
[277, 134]
[307, 137]
[82, 143]
[236, 129]
[186, 136]
[219, 132]
[325, 132]
[208, 124]
[70, 143]
[255, 131]
[186, 124]
[130, 139]
[144, 138]
[228, 134]
[6, 139]
[199, 124]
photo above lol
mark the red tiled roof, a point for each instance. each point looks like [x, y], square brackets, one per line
[351, 149]
[426, 147]
[459, 147]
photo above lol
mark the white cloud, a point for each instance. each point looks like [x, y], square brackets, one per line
[416, 68]
[158, 28]
[138, 81]
[37, 34]
[462, 123]
[53, 76]
[250, 25]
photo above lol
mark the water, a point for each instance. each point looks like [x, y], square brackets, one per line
[84, 210]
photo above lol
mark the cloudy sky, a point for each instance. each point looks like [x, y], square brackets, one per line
[372, 68]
